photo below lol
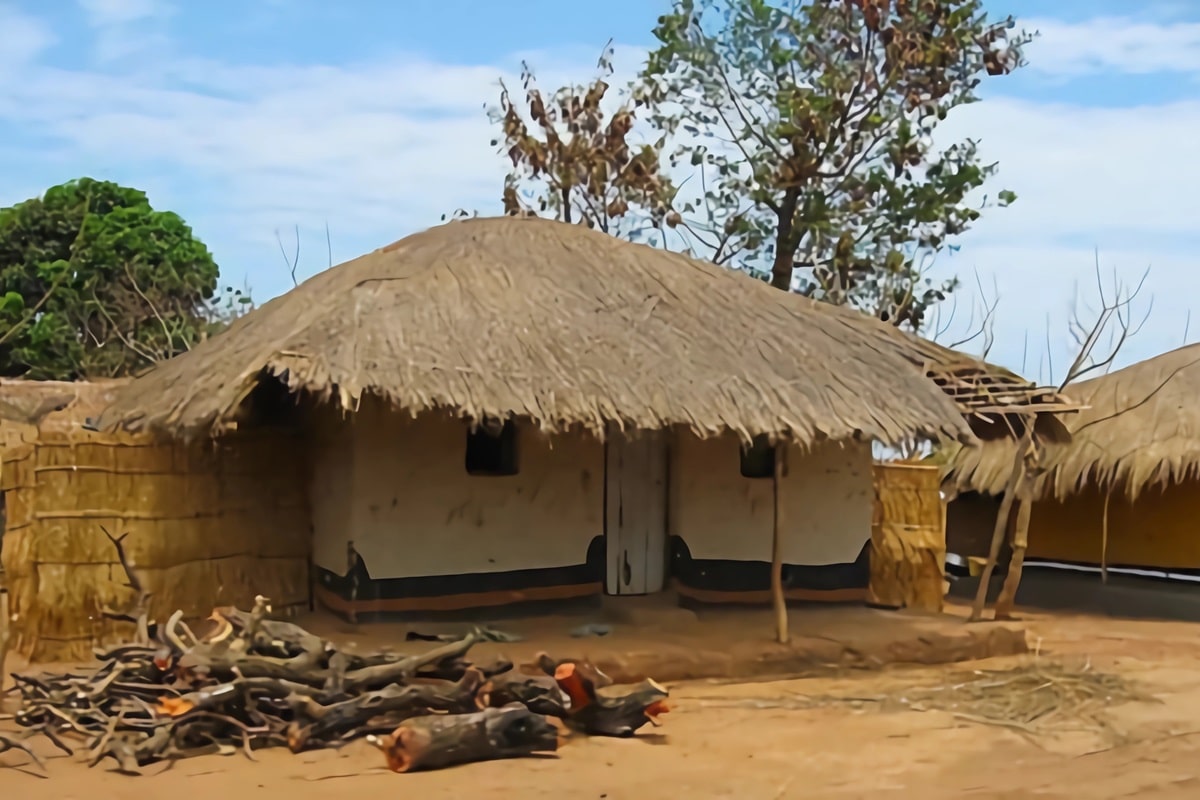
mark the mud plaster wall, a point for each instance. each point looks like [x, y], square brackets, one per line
[207, 525]
[1157, 531]
[398, 488]
[827, 506]
[970, 518]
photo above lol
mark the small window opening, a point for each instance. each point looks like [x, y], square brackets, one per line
[758, 459]
[492, 448]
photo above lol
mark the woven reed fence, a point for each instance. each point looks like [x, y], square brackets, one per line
[208, 524]
[908, 537]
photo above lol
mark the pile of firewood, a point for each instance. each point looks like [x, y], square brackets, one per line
[253, 682]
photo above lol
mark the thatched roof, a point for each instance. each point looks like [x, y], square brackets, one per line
[562, 325]
[1140, 428]
[27, 406]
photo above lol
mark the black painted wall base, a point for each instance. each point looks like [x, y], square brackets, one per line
[1128, 596]
[698, 582]
[360, 596]
[714, 581]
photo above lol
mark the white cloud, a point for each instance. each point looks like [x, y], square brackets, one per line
[1113, 44]
[379, 150]
[22, 38]
[1094, 172]
[119, 12]
[126, 28]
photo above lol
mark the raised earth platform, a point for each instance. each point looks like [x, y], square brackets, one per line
[673, 644]
[650, 637]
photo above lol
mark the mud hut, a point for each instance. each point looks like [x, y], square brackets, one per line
[501, 411]
[1121, 491]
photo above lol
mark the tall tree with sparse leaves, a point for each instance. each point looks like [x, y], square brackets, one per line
[812, 124]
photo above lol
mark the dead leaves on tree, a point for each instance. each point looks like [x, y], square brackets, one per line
[582, 156]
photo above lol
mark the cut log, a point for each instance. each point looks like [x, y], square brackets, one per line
[442, 741]
[539, 693]
[609, 716]
[586, 669]
[318, 724]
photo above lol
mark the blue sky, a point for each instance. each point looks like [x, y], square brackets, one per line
[255, 116]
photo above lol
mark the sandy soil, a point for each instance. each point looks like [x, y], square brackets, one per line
[726, 740]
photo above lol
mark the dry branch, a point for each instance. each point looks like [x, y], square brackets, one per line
[141, 608]
[253, 682]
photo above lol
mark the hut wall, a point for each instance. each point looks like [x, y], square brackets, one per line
[331, 488]
[419, 534]
[721, 523]
[908, 538]
[1155, 532]
[208, 524]
[970, 518]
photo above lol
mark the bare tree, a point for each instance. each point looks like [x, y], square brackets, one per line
[980, 330]
[1114, 319]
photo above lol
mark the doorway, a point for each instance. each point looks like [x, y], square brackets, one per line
[635, 513]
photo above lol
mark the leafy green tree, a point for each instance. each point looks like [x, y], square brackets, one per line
[95, 282]
[812, 125]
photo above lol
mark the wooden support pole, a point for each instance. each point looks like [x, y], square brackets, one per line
[1020, 541]
[5, 626]
[1001, 527]
[778, 599]
[1104, 539]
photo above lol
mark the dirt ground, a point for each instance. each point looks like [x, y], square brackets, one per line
[739, 740]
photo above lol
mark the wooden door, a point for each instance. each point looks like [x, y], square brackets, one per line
[636, 512]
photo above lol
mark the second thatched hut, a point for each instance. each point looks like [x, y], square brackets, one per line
[1124, 491]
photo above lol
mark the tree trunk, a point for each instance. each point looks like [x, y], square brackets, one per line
[782, 272]
[1006, 502]
[778, 599]
[441, 741]
[1020, 541]
[783, 269]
